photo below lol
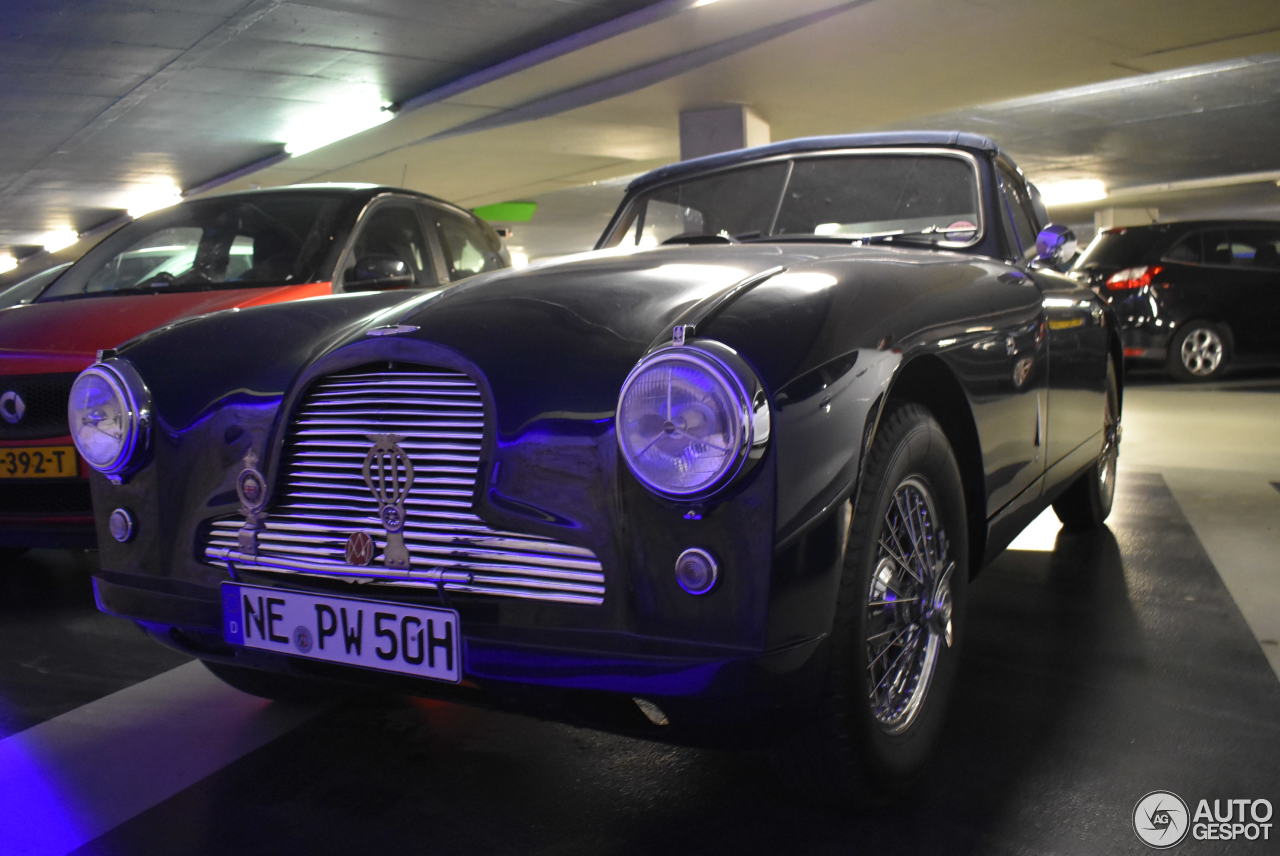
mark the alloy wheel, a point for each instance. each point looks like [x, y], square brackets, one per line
[1202, 351]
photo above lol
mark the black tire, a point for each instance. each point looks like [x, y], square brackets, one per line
[1199, 351]
[271, 685]
[1086, 504]
[869, 740]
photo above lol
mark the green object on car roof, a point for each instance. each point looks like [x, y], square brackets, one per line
[507, 212]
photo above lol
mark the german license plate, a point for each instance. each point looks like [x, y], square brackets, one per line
[412, 640]
[38, 462]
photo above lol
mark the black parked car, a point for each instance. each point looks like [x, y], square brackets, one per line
[733, 486]
[1194, 296]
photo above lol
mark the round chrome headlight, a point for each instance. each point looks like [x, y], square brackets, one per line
[686, 422]
[106, 413]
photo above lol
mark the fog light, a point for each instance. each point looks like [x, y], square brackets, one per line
[696, 571]
[122, 525]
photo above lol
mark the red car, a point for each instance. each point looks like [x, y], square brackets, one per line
[224, 252]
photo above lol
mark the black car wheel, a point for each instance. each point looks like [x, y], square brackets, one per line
[1086, 504]
[270, 685]
[899, 621]
[1198, 351]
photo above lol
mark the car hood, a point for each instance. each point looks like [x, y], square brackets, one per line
[563, 337]
[618, 298]
[64, 335]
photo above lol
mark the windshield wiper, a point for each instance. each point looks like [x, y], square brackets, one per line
[928, 236]
[700, 238]
[797, 237]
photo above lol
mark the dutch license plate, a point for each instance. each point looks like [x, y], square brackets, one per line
[38, 462]
[412, 640]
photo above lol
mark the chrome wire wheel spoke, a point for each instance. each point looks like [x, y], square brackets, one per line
[1110, 444]
[908, 606]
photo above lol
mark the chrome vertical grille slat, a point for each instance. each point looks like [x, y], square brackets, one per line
[323, 498]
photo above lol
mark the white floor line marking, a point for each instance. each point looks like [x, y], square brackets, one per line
[1236, 516]
[77, 776]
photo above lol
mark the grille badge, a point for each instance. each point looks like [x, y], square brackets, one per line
[388, 473]
[251, 487]
[12, 407]
[359, 551]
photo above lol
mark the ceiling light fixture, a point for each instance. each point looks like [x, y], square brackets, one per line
[144, 198]
[697, 4]
[7, 262]
[1072, 191]
[58, 239]
[334, 122]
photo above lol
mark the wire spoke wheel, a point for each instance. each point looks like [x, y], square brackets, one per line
[909, 606]
[1110, 446]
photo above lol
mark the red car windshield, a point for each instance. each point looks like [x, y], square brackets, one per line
[262, 239]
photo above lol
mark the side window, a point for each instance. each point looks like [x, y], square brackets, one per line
[1018, 216]
[393, 232]
[469, 248]
[1217, 247]
[1255, 247]
[1186, 250]
[1266, 244]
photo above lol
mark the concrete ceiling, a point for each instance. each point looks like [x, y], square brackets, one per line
[508, 100]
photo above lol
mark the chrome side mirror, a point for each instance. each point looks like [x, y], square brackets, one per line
[1055, 245]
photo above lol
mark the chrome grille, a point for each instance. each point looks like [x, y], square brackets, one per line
[323, 497]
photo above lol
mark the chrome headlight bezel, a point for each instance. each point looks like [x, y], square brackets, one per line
[748, 410]
[134, 402]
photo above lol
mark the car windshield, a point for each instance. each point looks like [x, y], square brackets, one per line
[229, 242]
[886, 197]
[26, 290]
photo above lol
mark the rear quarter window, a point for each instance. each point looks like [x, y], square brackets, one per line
[1119, 248]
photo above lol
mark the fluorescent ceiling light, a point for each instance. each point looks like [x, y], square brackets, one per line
[1072, 191]
[58, 239]
[699, 3]
[333, 122]
[1121, 84]
[145, 198]
[7, 263]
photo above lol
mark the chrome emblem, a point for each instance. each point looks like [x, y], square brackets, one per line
[359, 549]
[12, 407]
[391, 330]
[251, 487]
[388, 473]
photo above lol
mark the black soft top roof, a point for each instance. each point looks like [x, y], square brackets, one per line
[956, 139]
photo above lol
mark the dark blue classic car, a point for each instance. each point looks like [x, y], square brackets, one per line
[726, 478]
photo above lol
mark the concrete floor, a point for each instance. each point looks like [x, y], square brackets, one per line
[1098, 668]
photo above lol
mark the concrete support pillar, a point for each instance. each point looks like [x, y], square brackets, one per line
[720, 129]
[1107, 218]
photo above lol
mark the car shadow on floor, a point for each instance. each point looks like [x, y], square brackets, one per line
[1111, 666]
